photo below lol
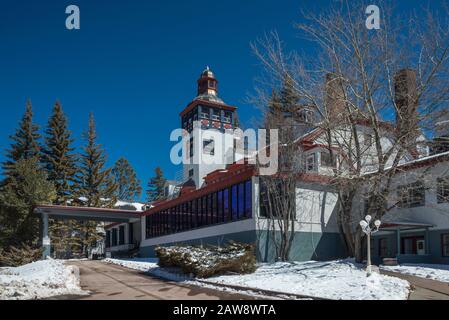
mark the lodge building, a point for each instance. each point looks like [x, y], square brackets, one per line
[218, 202]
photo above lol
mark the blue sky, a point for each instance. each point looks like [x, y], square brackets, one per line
[134, 64]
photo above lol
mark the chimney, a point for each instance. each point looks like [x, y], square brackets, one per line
[335, 95]
[406, 100]
[405, 96]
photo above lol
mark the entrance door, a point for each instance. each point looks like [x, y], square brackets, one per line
[409, 245]
[421, 247]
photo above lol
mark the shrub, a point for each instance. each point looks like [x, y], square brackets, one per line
[208, 261]
[18, 256]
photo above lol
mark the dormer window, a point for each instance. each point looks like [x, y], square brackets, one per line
[327, 160]
[310, 162]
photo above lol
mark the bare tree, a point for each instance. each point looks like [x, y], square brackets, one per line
[377, 95]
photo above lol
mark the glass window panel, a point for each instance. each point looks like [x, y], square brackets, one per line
[220, 206]
[215, 208]
[204, 213]
[248, 199]
[108, 239]
[241, 200]
[234, 198]
[226, 205]
[194, 213]
[114, 237]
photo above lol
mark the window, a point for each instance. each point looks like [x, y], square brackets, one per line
[220, 211]
[216, 114]
[226, 205]
[383, 247]
[211, 84]
[270, 200]
[241, 200]
[130, 233]
[108, 239]
[443, 190]
[208, 147]
[190, 173]
[412, 195]
[191, 147]
[248, 199]
[114, 237]
[310, 162]
[204, 114]
[195, 213]
[214, 199]
[326, 160]
[445, 244]
[367, 139]
[227, 117]
[121, 235]
[234, 197]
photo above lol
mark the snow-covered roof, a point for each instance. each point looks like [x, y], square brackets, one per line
[137, 205]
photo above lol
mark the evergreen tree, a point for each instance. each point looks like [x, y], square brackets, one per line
[58, 159]
[128, 186]
[156, 185]
[25, 143]
[274, 113]
[289, 97]
[60, 163]
[95, 183]
[26, 187]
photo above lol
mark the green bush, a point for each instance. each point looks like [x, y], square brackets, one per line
[204, 262]
[18, 256]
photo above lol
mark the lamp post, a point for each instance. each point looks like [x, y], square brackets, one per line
[365, 224]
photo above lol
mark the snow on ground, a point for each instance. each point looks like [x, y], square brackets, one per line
[37, 280]
[340, 279]
[439, 272]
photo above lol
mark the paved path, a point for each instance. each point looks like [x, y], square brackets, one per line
[112, 282]
[425, 289]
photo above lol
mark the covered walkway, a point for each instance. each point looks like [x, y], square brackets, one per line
[80, 213]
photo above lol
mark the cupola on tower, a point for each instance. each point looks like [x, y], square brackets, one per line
[208, 112]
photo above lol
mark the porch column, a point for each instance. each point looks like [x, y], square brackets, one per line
[426, 241]
[45, 237]
[398, 241]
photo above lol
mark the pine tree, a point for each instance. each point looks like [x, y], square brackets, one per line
[26, 187]
[289, 97]
[25, 141]
[156, 185]
[95, 183]
[128, 186]
[58, 159]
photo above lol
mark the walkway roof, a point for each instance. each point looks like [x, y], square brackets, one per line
[86, 213]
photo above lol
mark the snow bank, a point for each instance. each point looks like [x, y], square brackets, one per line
[439, 272]
[341, 279]
[37, 280]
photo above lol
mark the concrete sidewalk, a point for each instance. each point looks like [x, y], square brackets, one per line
[112, 282]
[424, 289]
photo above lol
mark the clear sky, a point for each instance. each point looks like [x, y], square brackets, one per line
[134, 64]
